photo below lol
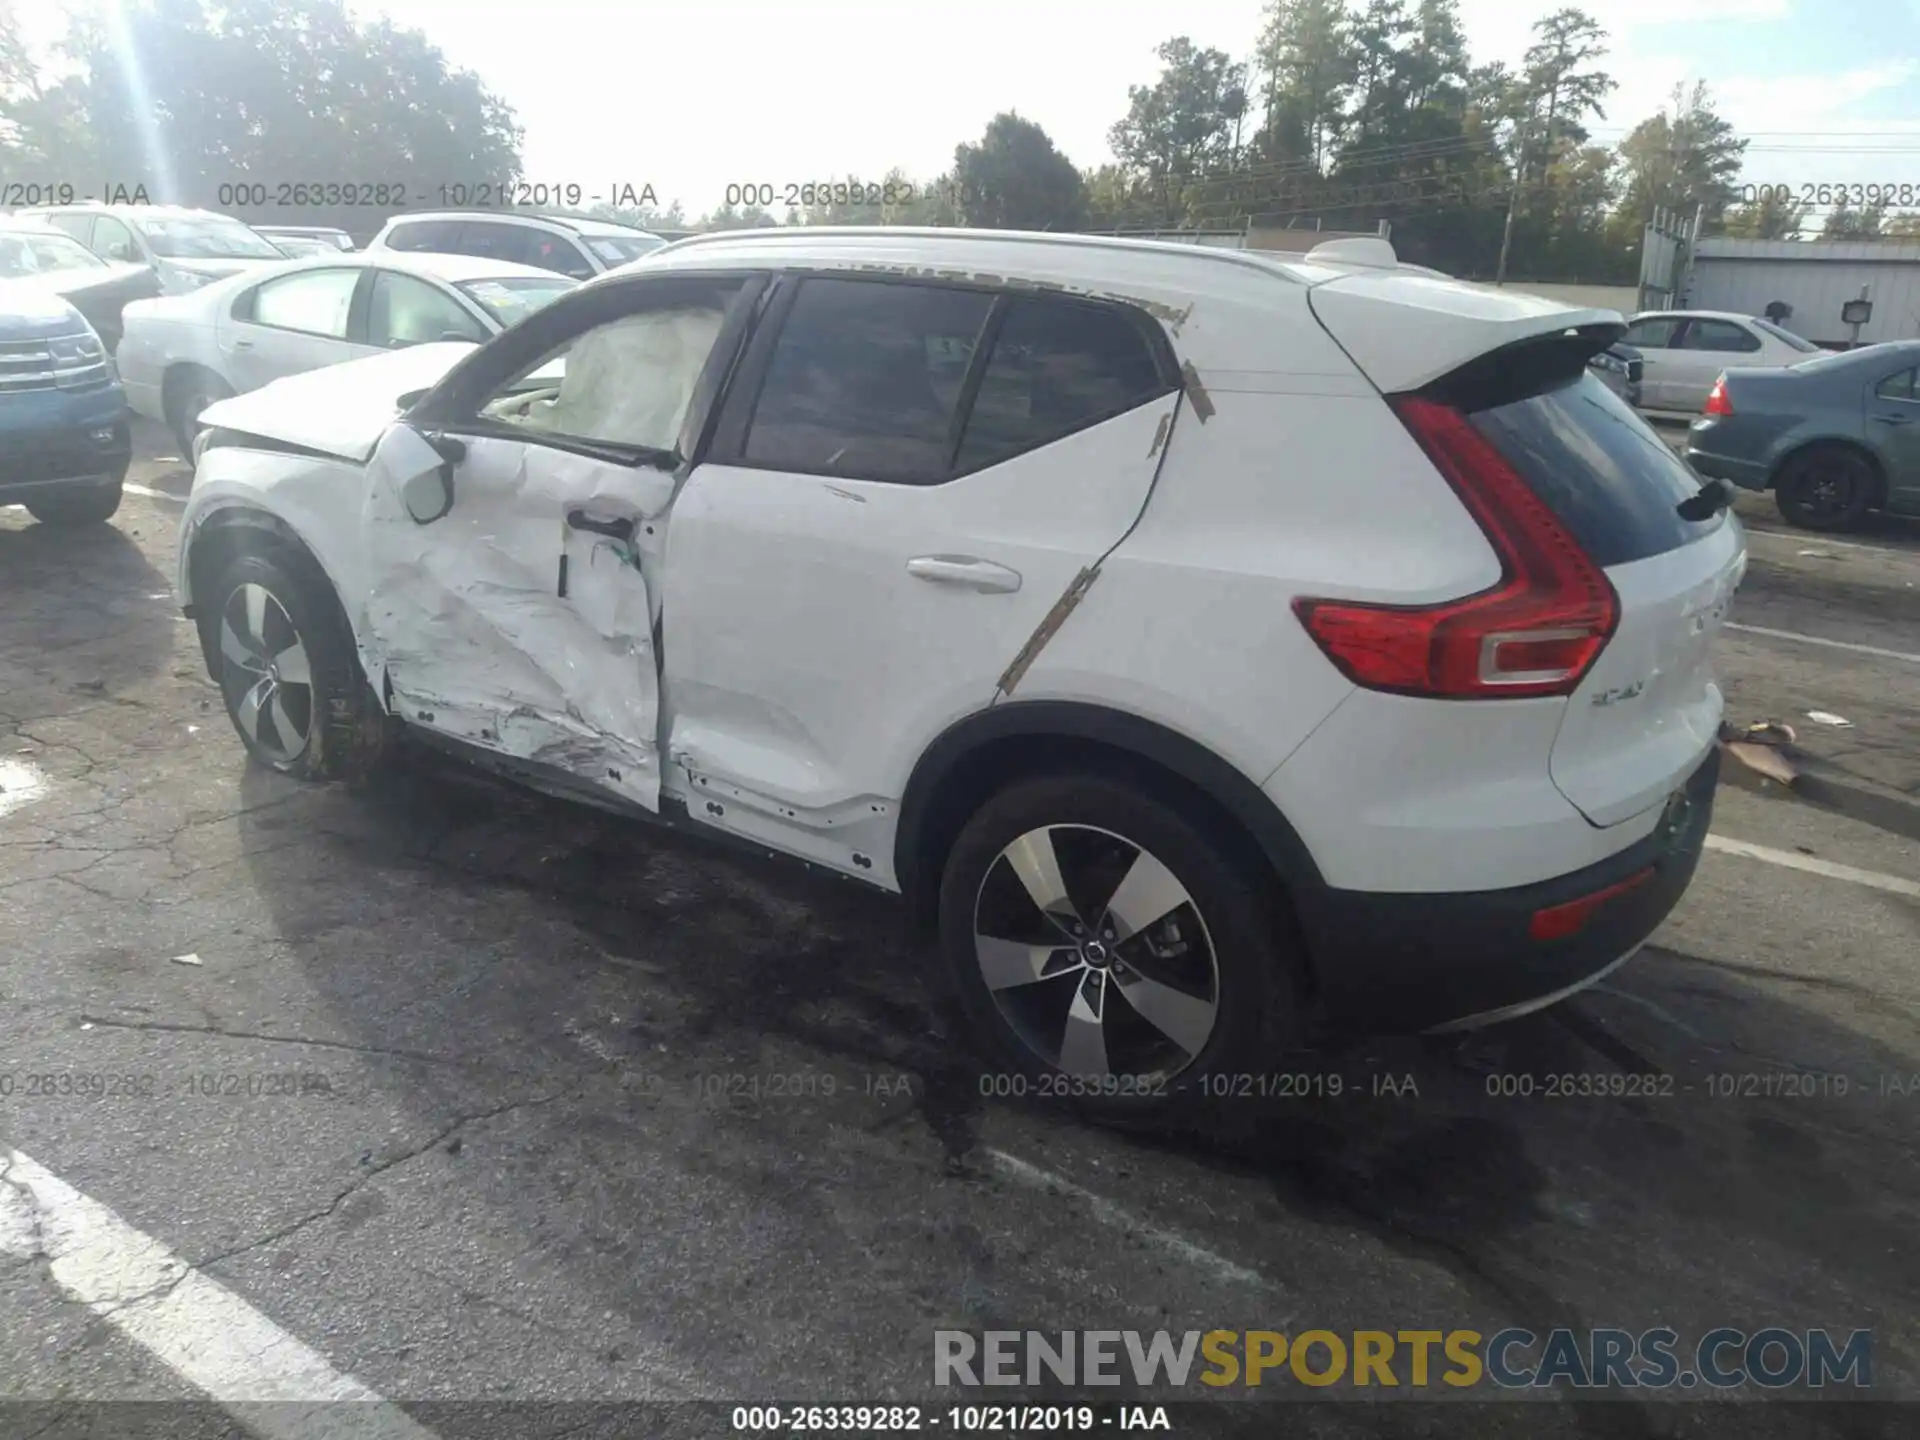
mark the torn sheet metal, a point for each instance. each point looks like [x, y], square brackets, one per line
[464, 618]
[1049, 624]
[1196, 392]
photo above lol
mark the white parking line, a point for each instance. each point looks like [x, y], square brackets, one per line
[1892, 884]
[1107, 1213]
[269, 1381]
[1846, 645]
[150, 494]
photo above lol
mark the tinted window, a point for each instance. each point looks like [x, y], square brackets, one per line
[1786, 337]
[439, 235]
[315, 302]
[1654, 333]
[1056, 367]
[1720, 335]
[865, 381]
[1612, 481]
[1896, 387]
[524, 245]
[408, 311]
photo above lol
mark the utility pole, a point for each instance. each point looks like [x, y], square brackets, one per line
[1513, 203]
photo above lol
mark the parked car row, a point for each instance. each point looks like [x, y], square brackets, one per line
[183, 352]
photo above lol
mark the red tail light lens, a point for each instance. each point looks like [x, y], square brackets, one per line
[1536, 632]
[1717, 401]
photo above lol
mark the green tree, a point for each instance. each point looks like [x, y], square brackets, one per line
[1772, 216]
[1307, 54]
[1015, 179]
[644, 217]
[1547, 105]
[277, 92]
[1903, 225]
[1186, 123]
[1843, 222]
[1683, 157]
[735, 217]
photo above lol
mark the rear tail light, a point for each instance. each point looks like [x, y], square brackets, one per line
[1718, 402]
[1535, 632]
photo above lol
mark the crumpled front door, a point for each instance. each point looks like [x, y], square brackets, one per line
[520, 621]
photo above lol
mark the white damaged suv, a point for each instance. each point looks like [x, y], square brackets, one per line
[1207, 643]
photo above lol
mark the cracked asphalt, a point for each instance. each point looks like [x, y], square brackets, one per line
[505, 1108]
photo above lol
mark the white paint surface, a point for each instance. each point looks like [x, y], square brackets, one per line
[1892, 884]
[203, 1332]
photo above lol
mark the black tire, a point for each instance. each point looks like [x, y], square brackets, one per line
[186, 398]
[341, 728]
[1826, 487]
[77, 505]
[1255, 973]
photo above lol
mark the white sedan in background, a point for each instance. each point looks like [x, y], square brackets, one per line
[180, 353]
[1683, 352]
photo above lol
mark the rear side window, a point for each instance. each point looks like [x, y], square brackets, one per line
[1613, 482]
[865, 381]
[1720, 335]
[1057, 366]
[1897, 387]
[314, 302]
[1653, 333]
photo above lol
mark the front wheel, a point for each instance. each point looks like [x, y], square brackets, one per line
[1827, 487]
[194, 395]
[76, 505]
[1106, 948]
[287, 669]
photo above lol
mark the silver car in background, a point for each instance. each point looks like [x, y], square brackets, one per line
[180, 353]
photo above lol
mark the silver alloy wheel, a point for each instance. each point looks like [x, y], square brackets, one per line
[265, 673]
[1096, 955]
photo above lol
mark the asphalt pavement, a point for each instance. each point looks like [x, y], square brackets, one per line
[486, 1112]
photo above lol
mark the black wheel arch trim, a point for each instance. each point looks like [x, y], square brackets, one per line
[215, 525]
[1230, 788]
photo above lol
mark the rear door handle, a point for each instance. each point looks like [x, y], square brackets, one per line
[966, 571]
[1894, 419]
[243, 344]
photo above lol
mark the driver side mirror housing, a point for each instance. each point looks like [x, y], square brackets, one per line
[421, 469]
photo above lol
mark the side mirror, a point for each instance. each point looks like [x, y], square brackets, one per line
[420, 470]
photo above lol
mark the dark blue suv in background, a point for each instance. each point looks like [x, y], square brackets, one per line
[64, 438]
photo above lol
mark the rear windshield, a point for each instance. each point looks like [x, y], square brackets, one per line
[1602, 469]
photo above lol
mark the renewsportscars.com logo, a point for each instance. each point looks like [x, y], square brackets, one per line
[1514, 1359]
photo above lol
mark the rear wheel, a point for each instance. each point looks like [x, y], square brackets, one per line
[1106, 948]
[75, 505]
[186, 398]
[1826, 487]
[287, 669]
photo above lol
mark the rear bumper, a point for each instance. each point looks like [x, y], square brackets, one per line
[1413, 962]
[1747, 474]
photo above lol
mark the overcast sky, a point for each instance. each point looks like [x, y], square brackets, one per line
[691, 95]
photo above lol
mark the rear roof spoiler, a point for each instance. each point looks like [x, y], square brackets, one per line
[1406, 331]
